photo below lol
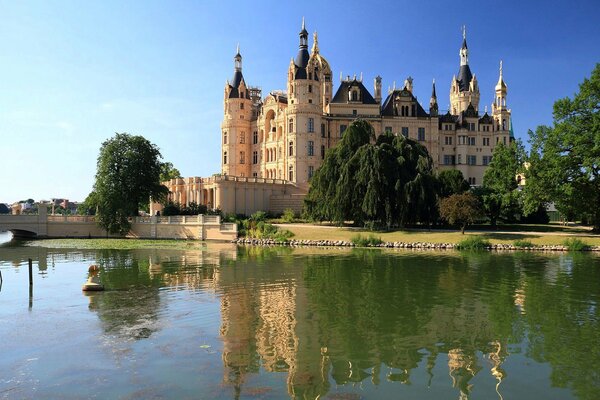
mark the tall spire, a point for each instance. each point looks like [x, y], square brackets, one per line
[500, 86]
[237, 59]
[433, 106]
[302, 57]
[315, 47]
[464, 51]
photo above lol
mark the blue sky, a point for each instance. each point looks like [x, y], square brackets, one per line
[74, 73]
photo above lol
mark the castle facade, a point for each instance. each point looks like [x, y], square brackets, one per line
[272, 145]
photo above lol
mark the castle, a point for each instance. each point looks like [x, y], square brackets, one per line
[272, 146]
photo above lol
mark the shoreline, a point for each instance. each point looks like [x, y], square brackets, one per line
[402, 245]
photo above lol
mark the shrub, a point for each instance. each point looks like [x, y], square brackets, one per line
[523, 243]
[362, 241]
[473, 243]
[288, 215]
[574, 244]
[259, 216]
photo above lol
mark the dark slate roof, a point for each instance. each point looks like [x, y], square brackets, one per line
[302, 57]
[486, 119]
[388, 105]
[470, 112]
[448, 118]
[235, 84]
[464, 78]
[341, 96]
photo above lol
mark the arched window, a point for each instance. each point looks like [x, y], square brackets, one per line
[224, 157]
[291, 173]
[242, 157]
[243, 137]
[291, 149]
[224, 137]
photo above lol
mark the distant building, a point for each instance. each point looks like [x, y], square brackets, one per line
[281, 139]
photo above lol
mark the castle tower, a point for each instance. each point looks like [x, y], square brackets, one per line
[235, 129]
[500, 112]
[309, 90]
[433, 105]
[464, 89]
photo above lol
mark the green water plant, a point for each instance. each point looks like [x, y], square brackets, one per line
[574, 244]
[473, 243]
[366, 241]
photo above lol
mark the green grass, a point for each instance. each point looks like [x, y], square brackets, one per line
[366, 241]
[473, 243]
[574, 244]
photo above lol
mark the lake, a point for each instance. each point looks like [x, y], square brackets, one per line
[217, 321]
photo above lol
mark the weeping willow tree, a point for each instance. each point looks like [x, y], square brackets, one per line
[387, 182]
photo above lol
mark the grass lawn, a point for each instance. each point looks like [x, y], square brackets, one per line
[527, 232]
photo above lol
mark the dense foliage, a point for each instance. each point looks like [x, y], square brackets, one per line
[499, 194]
[564, 164]
[389, 182]
[460, 209]
[451, 181]
[128, 174]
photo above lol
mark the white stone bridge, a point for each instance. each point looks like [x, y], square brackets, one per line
[42, 225]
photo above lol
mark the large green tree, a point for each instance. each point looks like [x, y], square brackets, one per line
[168, 172]
[128, 174]
[564, 164]
[389, 182]
[451, 181]
[499, 195]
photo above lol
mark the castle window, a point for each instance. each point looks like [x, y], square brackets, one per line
[342, 129]
[309, 88]
[413, 112]
[224, 157]
[241, 106]
[460, 158]
[311, 171]
[471, 180]
[485, 160]
[255, 157]
[291, 149]
[472, 160]
[241, 97]
[311, 148]
[311, 125]
[354, 112]
[255, 137]
[503, 124]
[486, 141]
[291, 173]
[471, 141]
[449, 159]
[242, 137]
[254, 175]
[291, 125]
[327, 78]
[322, 130]
[421, 135]
[242, 157]
[224, 137]
[354, 96]
[310, 76]
[448, 140]
[471, 126]
[322, 152]
[309, 101]
[405, 131]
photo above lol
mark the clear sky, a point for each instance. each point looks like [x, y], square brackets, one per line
[73, 73]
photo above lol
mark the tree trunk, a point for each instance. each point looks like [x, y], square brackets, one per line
[462, 228]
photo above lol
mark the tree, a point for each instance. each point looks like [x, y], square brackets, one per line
[565, 158]
[389, 182]
[499, 195]
[460, 209]
[89, 205]
[451, 181]
[168, 172]
[128, 174]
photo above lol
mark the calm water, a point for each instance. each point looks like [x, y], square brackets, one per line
[225, 323]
